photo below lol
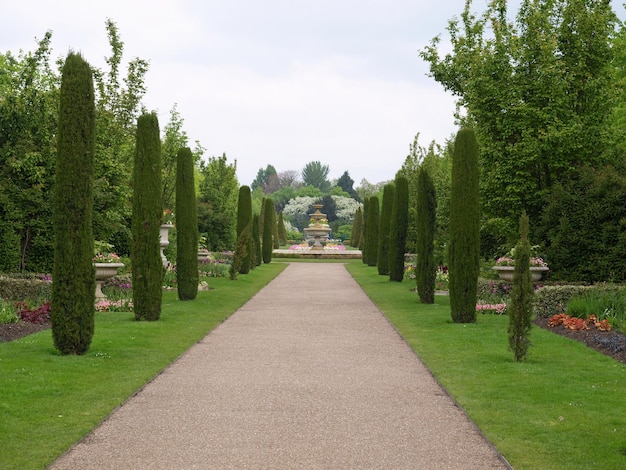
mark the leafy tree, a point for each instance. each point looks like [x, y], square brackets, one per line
[266, 179]
[268, 230]
[73, 290]
[244, 221]
[147, 213]
[539, 94]
[298, 211]
[186, 227]
[217, 203]
[398, 229]
[410, 170]
[521, 307]
[372, 230]
[464, 228]
[347, 184]
[382, 255]
[425, 269]
[315, 174]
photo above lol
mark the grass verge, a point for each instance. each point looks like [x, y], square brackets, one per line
[563, 408]
[48, 401]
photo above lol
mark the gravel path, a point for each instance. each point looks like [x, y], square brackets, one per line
[294, 379]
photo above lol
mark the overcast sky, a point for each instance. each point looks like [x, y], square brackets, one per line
[281, 82]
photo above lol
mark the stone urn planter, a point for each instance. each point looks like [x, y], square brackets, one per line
[506, 272]
[203, 255]
[104, 271]
[164, 234]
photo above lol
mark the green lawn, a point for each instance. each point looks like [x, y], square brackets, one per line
[564, 408]
[48, 402]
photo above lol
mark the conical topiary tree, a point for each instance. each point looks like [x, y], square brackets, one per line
[186, 227]
[276, 241]
[363, 240]
[282, 231]
[425, 269]
[355, 235]
[372, 230]
[464, 251]
[398, 229]
[268, 231]
[256, 238]
[244, 219]
[147, 213]
[73, 289]
[520, 309]
[382, 255]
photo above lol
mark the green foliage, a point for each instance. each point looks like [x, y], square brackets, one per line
[464, 228]
[147, 213]
[268, 230]
[605, 304]
[520, 309]
[186, 226]
[256, 238]
[426, 269]
[21, 289]
[282, 231]
[266, 179]
[8, 313]
[276, 241]
[363, 239]
[373, 222]
[244, 221]
[315, 174]
[347, 184]
[539, 93]
[382, 255]
[357, 228]
[73, 292]
[217, 203]
[585, 227]
[398, 229]
[242, 255]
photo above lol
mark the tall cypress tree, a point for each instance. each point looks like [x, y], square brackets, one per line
[276, 240]
[372, 230]
[73, 289]
[244, 219]
[256, 239]
[425, 269]
[268, 231]
[382, 255]
[147, 213]
[363, 239]
[186, 227]
[355, 235]
[398, 229]
[282, 231]
[521, 307]
[464, 252]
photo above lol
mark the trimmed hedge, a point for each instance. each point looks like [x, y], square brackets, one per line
[24, 289]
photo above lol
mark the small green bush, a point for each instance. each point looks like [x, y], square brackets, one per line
[7, 313]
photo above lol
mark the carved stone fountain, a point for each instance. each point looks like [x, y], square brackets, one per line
[316, 234]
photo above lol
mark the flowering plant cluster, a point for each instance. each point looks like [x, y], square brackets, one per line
[106, 258]
[498, 309]
[168, 217]
[123, 305]
[574, 323]
[40, 314]
[535, 262]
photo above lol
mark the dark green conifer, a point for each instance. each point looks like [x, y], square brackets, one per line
[147, 213]
[276, 240]
[398, 229]
[363, 239]
[268, 230]
[382, 256]
[355, 235]
[425, 269]
[256, 238]
[241, 255]
[282, 231]
[244, 219]
[372, 230]
[186, 227]
[464, 228]
[73, 289]
[520, 309]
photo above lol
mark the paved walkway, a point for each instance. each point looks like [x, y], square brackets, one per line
[292, 380]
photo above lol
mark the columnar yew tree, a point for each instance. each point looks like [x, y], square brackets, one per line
[398, 229]
[282, 231]
[147, 213]
[244, 219]
[464, 249]
[382, 256]
[186, 227]
[363, 239]
[355, 235]
[425, 268]
[372, 230]
[268, 230]
[521, 307]
[73, 290]
[256, 239]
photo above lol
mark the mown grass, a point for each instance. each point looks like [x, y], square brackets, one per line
[563, 408]
[48, 401]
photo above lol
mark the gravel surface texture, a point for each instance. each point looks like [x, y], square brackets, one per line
[307, 374]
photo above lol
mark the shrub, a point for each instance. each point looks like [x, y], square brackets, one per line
[372, 230]
[551, 300]
[426, 270]
[17, 288]
[603, 304]
[244, 221]
[7, 313]
[147, 212]
[73, 291]
[268, 230]
[382, 255]
[186, 227]
[464, 228]
[398, 229]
